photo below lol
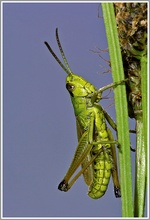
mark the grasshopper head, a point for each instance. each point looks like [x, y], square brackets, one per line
[78, 86]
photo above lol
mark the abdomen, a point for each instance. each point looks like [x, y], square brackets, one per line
[102, 167]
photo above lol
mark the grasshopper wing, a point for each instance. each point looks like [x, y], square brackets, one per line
[88, 173]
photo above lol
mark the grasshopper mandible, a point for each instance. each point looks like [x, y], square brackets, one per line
[96, 146]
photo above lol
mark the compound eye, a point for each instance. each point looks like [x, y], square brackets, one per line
[70, 87]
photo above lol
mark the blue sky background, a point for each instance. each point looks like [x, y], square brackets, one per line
[39, 132]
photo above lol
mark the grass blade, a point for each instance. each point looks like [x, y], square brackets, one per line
[121, 109]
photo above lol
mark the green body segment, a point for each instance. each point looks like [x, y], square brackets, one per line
[96, 147]
[102, 167]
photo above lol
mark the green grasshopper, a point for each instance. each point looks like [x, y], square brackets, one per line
[96, 146]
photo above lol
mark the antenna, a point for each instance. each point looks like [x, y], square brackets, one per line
[66, 68]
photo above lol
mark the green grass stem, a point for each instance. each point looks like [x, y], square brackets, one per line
[121, 110]
[142, 144]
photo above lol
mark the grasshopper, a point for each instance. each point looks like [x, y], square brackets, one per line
[96, 146]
